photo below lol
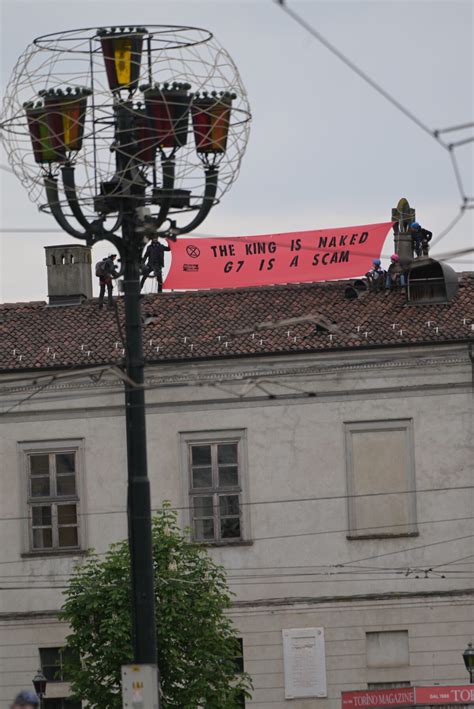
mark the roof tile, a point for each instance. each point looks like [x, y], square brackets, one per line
[226, 323]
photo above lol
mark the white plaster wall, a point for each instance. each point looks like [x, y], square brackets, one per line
[295, 450]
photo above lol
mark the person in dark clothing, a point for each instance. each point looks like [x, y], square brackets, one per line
[106, 271]
[376, 276]
[153, 262]
[396, 276]
[421, 238]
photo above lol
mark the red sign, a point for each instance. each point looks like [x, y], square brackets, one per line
[460, 694]
[297, 257]
[402, 696]
[406, 696]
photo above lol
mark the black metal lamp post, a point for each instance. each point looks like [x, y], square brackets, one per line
[468, 657]
[39, 683]
[143, 130]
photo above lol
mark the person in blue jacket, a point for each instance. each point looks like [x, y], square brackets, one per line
[420, 238]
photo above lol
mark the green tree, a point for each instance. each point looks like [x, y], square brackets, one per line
[197, 644]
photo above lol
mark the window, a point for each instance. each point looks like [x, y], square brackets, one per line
[61, 704]
[53, 661]
[52, 473]
[387, 685]
[387, 649]
[380, 479]
[239, 668]
[214, 470]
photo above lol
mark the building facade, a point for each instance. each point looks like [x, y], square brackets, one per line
[320, 447]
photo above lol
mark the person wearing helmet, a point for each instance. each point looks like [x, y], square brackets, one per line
[376, 276]
[154, 261]
[395, 274]
[25, 700]
[105, 271]
[420, 239]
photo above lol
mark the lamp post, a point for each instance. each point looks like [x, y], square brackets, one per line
[115, 160]
[39, 683]
[468, 657]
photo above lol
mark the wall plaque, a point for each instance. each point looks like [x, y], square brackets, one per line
[304, 663]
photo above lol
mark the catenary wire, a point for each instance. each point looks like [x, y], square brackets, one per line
[320, 498]
[377, 87]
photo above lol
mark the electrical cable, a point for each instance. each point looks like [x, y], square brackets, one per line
[347, 567]
[319, 498]
[451, 225]
[365, 77]
[388, 96]
[200, 383]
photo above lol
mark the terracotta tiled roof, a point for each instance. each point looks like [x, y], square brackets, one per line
[251, 321]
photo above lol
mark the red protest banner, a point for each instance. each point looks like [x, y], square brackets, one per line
[297, 257]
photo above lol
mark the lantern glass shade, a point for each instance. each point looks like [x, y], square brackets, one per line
[56, 124]
[39, 683]
[44, 148]
[122, 54]
[168, 113]
[211, 121]
[65, 115]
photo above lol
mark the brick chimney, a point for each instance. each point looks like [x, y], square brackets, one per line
[69, 274]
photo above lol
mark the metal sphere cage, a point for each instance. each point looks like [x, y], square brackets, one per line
[89, 111]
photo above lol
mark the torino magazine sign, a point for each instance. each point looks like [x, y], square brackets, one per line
[409, 696]
[270, 259]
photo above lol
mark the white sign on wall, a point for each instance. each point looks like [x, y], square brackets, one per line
[304, 663]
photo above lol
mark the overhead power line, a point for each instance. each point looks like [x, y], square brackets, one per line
[435, 134]
[365, 77]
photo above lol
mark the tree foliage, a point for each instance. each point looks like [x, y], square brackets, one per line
[197, 644]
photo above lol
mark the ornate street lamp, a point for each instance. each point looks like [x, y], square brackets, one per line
[99, 150]
[39, 683]
[468, 657]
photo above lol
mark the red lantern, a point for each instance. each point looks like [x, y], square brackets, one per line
[211, 121]
[65, 115]
[44, 150]
[122, 53]
[168, 110]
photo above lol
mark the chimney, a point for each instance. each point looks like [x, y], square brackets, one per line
[402, 216]
[69, 274]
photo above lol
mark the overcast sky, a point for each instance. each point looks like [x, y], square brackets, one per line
[325, 149]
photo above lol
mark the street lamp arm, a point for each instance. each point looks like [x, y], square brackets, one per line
[71, 195]
[51, 187]
[168, 167]
[70, 190]
[207, 202]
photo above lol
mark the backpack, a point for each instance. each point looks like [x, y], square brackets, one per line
[100, 268]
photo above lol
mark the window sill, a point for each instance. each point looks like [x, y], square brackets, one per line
[54, 552]
[355, 537]
[230, 543]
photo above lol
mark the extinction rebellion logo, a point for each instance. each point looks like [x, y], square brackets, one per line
[193, 251]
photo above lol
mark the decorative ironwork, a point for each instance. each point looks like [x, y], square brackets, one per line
[119, 129]
[102, 163]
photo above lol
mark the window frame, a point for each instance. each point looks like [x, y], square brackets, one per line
[52, 448]
[215, 438]
[373, 426]
[60, 650]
